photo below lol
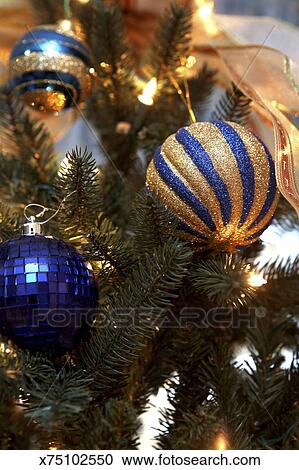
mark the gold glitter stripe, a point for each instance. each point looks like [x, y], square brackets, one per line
[267, 217]
[182, 165]
[55, 82]
[39, 61]
[261, 170]
[60, 64]
[169, 198]
[225, 164]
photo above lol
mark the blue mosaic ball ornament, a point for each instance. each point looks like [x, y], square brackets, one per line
[47, 293]
[50, 68]
[218, 179]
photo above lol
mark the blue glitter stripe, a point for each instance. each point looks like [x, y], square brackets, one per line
[239, 150]
[205, 165]
[185, 228]
[42, 47]
[272, 187]
[37, 35]
[181, 190]
[45, 76]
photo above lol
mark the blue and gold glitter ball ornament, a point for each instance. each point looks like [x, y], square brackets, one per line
[218, 179]
[47, 292]
[50, 67]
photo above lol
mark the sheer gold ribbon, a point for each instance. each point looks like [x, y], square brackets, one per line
[270, 79]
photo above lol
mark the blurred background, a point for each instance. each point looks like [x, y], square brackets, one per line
[287, 10]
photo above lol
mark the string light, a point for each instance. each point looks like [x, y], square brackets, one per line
[52, 446]
[190, 62]
[256, 280]
[149, 91]
[221, 442]
[63, 167]
[187, 64]
[65, 25]
[205, 12]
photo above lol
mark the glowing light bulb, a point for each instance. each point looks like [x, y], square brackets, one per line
[65, 25]
[256, 280]
[221, 443]
[205, 12]
[149, 91]
[83, 1]
[191, 60]
[63, 168]
[53, 447]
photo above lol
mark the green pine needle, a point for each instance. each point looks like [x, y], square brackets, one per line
[233, 106]
[149, 290]
[27, 158]
[225, 280]
[151, 223]
[78, 178]
[172, 41]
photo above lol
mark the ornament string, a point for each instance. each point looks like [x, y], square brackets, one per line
[67, 9]
[45, 209]
[185, 97]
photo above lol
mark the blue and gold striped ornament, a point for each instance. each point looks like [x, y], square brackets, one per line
[50, 67]
[218, 179]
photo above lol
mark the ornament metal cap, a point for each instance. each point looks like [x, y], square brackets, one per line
[32, 227]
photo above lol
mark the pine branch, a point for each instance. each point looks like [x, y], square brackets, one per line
[225, 280]
[285, 216]
[201, 89]
[8, 223]
[111, 256]
[16, 431]
[151, 223]
[26, 149]
[194, 431]
[208, 390]
[281, 288]
[114, 99]
[116, 194]
[107, 247]
[281, 268]
[158, 364]
[58, 399]
[232, 106]
[111, 427]
[114, 66]
[172, 40]
[224, 380]
[80, 177]
[188, 424]
[48, 11]
[266, 380]
[144, 298]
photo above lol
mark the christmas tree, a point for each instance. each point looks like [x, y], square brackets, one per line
[173, 254]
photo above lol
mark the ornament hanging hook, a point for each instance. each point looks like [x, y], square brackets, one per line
[33, 227]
